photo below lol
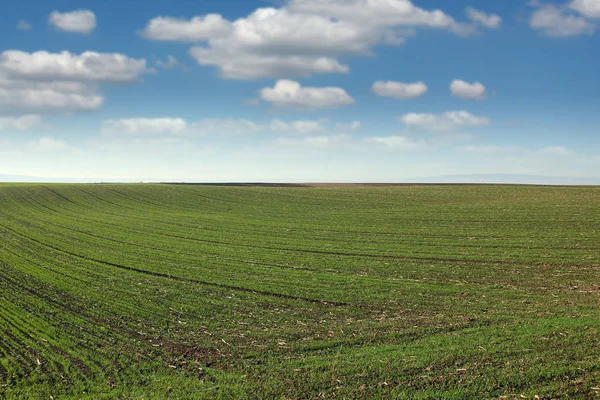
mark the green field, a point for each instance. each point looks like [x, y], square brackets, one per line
[172, 291]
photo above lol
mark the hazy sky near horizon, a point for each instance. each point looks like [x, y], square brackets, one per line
[299, 90]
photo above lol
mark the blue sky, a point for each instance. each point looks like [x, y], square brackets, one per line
[299, 90]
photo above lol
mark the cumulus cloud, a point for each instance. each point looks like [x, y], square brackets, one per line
[302, 127]
[315, 133]
[87, 66]
[303, 38]
[587, 8]
[194, 30]
[47, 144]
[24, 95]
[490, 149]
[224, 127]
[555, 21]
[276, 43]
[375, 13]
[317, 142]
[23, 25]
[398, 143]
[450, 120]
[169, 127]
[145, 126]
[399, 90]
[491, 21]
[288, 93]
[469, 91]
[557, 151]
[253, 66]
[21, 123]
[346, 127]
[80, 21]
[177, 127]
[61, 81]
[170, 63]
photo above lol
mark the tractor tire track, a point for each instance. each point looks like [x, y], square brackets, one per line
[191, 280]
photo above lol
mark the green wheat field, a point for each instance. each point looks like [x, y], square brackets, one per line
[157, 291]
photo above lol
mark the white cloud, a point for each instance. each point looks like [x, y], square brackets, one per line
[302, 127]
[551, 20]
[399, 90]
[223, 127]
[447, 121]
[23, 25]
[20, 95]
[195, 30]
[548, 151]
[288, 93]
[87, 66]
[21, 123]
[398, 143]
[346, 127]
[303, 38]
[465, 90]
[390, 13]
[61, 81]
[177, 127]
[47, 144]
[397, 37]
[144, 126]
[180, 128]
[317, 142]
[276, 43]
[80, 21]
[557, 151]
[170, 63]
[491, 21]
[490, 149]
[587, 8]
[250, 66]
[327, 141]
[255, 66]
